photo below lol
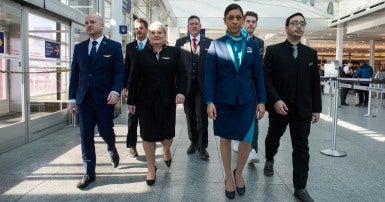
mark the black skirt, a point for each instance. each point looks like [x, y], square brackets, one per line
[157, 122]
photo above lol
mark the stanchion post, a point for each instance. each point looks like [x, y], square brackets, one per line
[330, 96]
[369, 113]
[333, 151]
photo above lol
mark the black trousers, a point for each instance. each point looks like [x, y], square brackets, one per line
[196, 115]
[363, 95]
[344, 94]
[254, 143]
[132, 134]
[299, 132]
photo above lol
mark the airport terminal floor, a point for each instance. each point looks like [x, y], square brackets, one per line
[48, 169]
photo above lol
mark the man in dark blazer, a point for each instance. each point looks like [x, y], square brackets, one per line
[95, 83]
[293, 98]
[132, 49]
[193, 51]
[250, 24]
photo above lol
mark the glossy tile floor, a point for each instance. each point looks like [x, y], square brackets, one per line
[48, 169]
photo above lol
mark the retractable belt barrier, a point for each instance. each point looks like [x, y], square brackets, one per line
[352, 83]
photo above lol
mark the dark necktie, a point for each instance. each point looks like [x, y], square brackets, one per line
[93, 50]
[295, 52]
[194, 43]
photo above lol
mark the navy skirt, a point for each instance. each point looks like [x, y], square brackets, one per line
[235, 122]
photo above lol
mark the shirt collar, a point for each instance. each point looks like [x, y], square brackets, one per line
[144, 41]
[198, 38]
[99, 40]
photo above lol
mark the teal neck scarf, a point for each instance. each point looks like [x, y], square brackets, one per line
[236, 46]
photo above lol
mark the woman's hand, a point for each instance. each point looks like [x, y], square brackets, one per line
[179, 99]
[260, 111]
[211, 111]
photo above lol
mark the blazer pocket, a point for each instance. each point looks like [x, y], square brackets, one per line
[107, 56]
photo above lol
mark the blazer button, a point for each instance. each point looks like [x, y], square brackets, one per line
[90, 75]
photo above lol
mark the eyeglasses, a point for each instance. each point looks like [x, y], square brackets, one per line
[298, 23]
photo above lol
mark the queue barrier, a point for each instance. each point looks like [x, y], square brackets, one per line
[353, 83]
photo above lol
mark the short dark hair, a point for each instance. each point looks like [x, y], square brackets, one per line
[140, 20]
[252, 14]
[293, 15]
[233, 7]
[193, 17]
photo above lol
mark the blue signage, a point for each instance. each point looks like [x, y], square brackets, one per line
[122, 29]
[52, 49]
[127, 6]
[2, 42]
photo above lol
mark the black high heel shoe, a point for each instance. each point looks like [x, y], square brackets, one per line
[229, 194]
[240, 190]
[151, 182]
[167, 153]
[168, 163]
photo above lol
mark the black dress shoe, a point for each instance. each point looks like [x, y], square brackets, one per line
[240, 190]
[229, 194]
[167, 162]
[191, 149]
[203, 154]
[344, 104]
[115, 160]
[86, 180]
[134, 152]
[151, 182]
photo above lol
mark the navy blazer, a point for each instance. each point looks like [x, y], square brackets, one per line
[224, 84]
[101, 76]
[284, 76]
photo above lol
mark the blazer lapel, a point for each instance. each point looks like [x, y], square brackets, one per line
[102, 48]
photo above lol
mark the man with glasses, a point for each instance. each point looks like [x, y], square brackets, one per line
[293, 98]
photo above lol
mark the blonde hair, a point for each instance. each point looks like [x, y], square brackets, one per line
[156, 25]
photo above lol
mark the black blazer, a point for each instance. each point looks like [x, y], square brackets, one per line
[184, 44]
[283, 74]
[261, 44]
[131, 53]
[155, 80]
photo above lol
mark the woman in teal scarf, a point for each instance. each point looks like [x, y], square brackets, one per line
[234, 86]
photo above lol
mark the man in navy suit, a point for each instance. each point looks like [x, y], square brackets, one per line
[293, 98]
[193, 52]
[95, 83]
[132, 49]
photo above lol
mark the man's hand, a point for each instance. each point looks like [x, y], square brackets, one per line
[280, 107]
[132, 109]
[112, 98]
[260, 111]
[315, 117]
[211, 111]
[125, 93]
[73, 109]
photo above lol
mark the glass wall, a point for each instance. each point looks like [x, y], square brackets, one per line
[84, 6]
[48, 64]
[10, 64]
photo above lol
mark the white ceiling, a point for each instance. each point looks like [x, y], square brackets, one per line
[320, 33]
